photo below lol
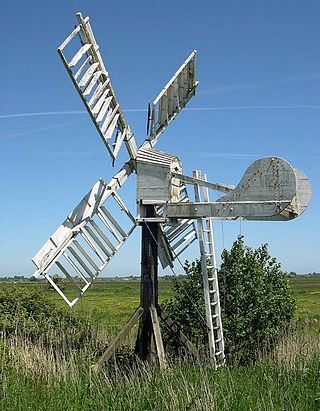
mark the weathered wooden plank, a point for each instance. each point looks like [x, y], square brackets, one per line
[81, 262]
[81, 52]
[86, 255]
[93, 81]
[65, 272]
[82, 67]
[103, 100]
[102, 235]
[173, 327]
[87, 75]
[115, 343]
[104, 109]
[96, 239]
[158, 338]
[111, 127]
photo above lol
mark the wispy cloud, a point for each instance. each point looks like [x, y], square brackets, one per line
[142, 110]
[34, 131]
[247, 156]
[269, 107]
[39, 114]
[61, 113]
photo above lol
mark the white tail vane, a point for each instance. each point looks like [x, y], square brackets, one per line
[86, 241]
[91, 79]
[270, 189]
[175, 95]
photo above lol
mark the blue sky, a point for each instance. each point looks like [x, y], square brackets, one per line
[259, 71]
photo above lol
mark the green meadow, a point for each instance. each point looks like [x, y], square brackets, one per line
[112, 301]
[52, 372]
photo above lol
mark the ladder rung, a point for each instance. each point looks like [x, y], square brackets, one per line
[215, 316]
[212, 291]
[214, 303]
[79, 54]
[218, 340]
[218, 353]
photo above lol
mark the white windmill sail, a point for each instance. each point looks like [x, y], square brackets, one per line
[175, 239]
[87, 240]
[91, 79]
[174, 96]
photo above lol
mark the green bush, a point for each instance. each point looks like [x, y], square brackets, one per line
[27, 311]
[187, 308]
[255, 301]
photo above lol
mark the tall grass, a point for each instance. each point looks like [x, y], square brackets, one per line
[38, 374]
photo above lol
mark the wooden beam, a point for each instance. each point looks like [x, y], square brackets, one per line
[118, 340]
[158, 338]
[175, 329]
[145, 345]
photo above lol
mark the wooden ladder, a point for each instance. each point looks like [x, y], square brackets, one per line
[210, 277]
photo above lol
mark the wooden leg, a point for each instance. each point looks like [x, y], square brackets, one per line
[174, 328]
[158, 338]
[118, 340]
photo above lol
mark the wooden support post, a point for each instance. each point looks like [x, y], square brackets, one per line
[158, 338]
[146, 345]
[174, 328]
[118, 340]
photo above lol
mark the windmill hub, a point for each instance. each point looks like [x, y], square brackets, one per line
[156, 184]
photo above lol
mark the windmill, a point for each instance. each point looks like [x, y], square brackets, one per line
[270, 189]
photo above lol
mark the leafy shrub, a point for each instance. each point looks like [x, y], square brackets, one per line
[187, 307]
[255, 301]
[27, 311]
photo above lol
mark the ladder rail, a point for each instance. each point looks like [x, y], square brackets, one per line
[210, 277]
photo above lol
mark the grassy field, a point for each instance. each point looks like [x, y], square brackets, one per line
[37, 374]
[306, 291]
[112, 301]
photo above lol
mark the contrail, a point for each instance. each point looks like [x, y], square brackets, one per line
[245, 156]
[282, 107]
[44, 113]
[142, 110]
[37, 130]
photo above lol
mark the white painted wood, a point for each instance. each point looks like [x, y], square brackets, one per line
[204, 270]
[210, 276]
[87, 75]
[80, 53]
[92, 89]
[173, 97]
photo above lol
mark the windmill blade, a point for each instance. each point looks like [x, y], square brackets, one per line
[270, 189]
[87, 240]
[174, 96]
[175, 239]
[91, 79]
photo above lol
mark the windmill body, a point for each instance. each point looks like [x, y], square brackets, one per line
[271, 189]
